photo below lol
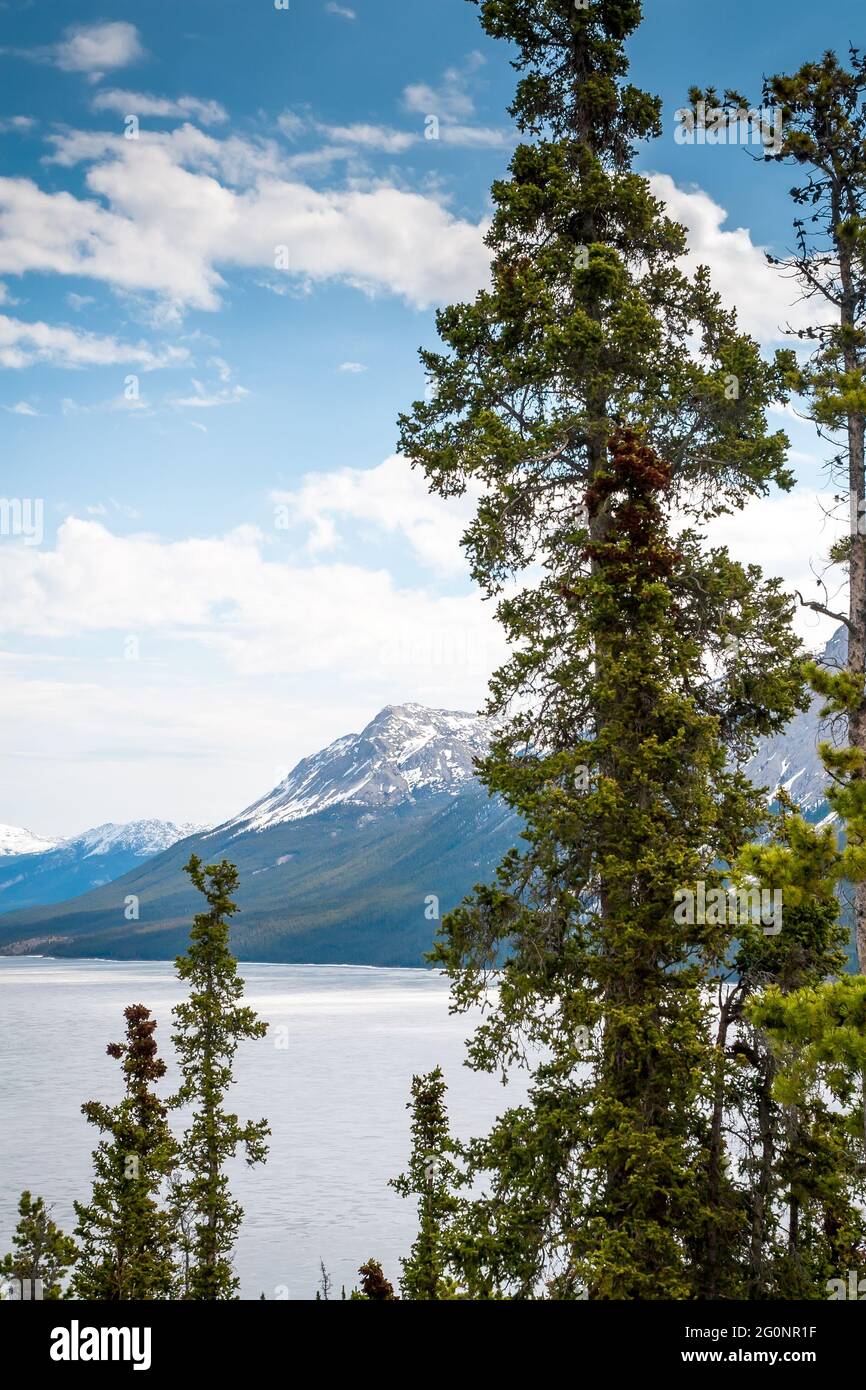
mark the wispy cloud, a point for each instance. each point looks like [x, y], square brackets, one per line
[22, 344]
[20, 125]
[144, 104]
[371, 137]
[205, 399]
[450, 99]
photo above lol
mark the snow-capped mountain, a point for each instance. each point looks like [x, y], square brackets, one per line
[140, 837]
[352, 858]
[15, 839]
[406, 752]
[338, 863]
[39, 871]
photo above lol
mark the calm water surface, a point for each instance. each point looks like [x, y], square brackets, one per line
[332, 1077]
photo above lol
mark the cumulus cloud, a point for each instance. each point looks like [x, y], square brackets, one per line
[90, 49]
[94, 49]
[22, 344]
[165, 219]
[766, 302]
[172, 214]
[260, 615]
[392, 498]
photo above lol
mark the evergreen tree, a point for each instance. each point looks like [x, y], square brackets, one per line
[796, 1182]
[430, 1177]
[124, 1232]
[814, 1024]
[590, 389]
[209, 1026]
[818, 1039]
[375, 1288]
[41, 1253]
[822, 108]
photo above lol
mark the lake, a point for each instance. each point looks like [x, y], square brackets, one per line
[332, 1077]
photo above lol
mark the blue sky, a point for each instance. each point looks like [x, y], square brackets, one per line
[207, 333]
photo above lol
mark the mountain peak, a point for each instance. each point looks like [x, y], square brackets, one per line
[15, 839]
[139, 837]
[405, 751]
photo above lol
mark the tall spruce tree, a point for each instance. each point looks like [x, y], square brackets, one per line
[41, 1254]
[793, 1204]
[591, 388]
[430, 1177]
[209, 1027]
[822, 108]
[124, 1232]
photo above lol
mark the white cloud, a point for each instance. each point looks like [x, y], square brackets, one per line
[204, 399]
[452, 104]
[450, 99]
[172, 213]
[292, 124]
[22, 344]
[392, 498]
[476, 137]
[97, 48]
[21, 408]
[171, 230]
[143, 104]
[19, 124]
[221, 367]
[764, 299]
[250, 658]
[387, 140]
[343, 10]
[789, 535]
[371, 137]
[91, 49]
[122, 404]
[353, 367]
[259, 615]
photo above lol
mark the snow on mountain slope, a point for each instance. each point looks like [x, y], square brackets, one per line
[140, 837]
[14, 839]
[48, 872]
[406, 751]
[409, 751]
[790, 759]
